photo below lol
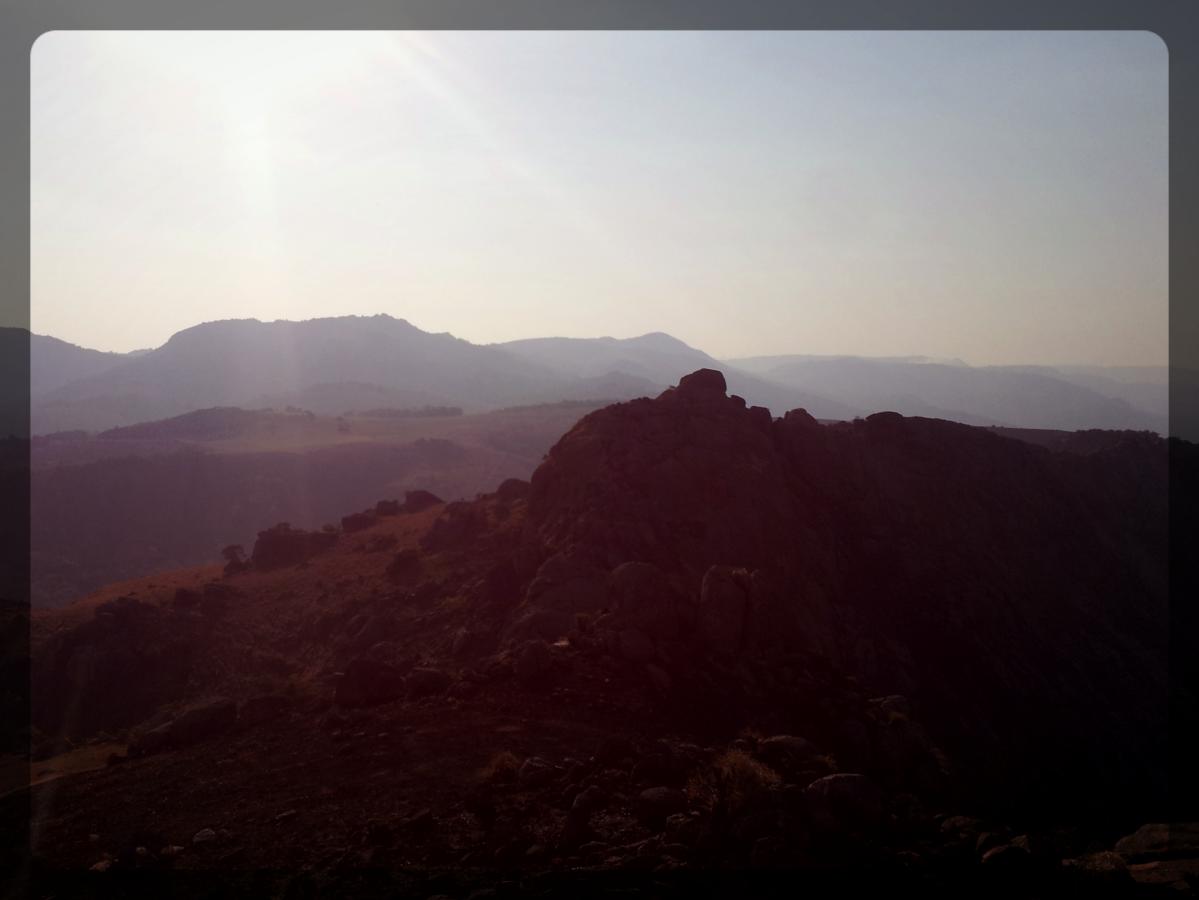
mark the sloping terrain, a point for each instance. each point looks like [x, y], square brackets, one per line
[699, 640]
[160, 495]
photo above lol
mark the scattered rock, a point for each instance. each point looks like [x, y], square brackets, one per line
[843, 803]
[1179, 874]
[535, 772]
[656, 804]
[963, 826]
[684, 828]
[1103, 868]
[1007, 857]
[786, 754]
[588, 800]
[1160, 840]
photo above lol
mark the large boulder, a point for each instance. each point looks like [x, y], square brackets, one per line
[787, 754]
[702, 383]
[417, 501]
[843, 804]
[287, 546]
[643, 597]
[1160, 840]
[655, 805]
[567, 583]
[357, 521]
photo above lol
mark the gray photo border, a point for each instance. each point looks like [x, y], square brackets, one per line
[1176, 22]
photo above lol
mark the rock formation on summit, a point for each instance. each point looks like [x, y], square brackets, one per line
[1018, 593]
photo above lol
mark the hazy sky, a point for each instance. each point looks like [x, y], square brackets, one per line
[994, 196]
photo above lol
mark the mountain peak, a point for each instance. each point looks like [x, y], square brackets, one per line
[659, 340]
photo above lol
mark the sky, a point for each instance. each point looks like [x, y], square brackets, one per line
[997, 197]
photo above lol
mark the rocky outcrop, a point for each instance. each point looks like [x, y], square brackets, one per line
[942, 560]
[418, 501]
[287, 546]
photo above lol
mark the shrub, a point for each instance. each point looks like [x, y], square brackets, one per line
[502, 767]
[235, 559]
[732, 783]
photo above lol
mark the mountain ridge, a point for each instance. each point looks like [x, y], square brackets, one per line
[251, 362]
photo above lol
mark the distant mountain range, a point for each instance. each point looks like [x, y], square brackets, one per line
[336, 365]
[1023, 396]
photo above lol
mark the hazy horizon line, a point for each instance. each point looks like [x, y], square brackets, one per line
[925, 358]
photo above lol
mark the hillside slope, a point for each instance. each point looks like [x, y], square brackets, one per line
[699, 638]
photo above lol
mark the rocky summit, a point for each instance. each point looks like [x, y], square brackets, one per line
[702, 643]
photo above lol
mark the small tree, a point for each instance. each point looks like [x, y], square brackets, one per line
[235, 559]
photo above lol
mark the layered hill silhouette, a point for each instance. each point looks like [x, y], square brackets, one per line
[334, 365]
[1022, 396]
[155, 496]
[698, 636]
[240, 362]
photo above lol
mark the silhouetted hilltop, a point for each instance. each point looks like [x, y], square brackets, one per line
[1018, 593]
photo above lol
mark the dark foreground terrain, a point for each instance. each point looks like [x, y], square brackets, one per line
[703, 650]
